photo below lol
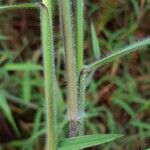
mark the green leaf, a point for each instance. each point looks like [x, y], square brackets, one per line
[95, 42]
[124, 106]
[4, 106]
[26, 87]
[23, 67]
[81, 142]
[141, 125]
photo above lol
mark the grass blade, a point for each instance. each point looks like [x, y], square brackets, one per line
[95, 43]
[22, 67]
[7, 112]
[26, 87]
[87, 141]
[140, 124]
[124, 106]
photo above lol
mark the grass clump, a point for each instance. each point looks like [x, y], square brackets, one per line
[77, 73]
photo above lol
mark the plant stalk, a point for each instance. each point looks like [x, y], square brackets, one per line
[68, 34]
[49, 73]
[136, 46]
[81, 103]
[79, 33]
[20, 6]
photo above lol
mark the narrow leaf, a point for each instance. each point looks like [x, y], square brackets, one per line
[87, 141]
[124, 106]
[95, 43]
[4, 106]
[23, 67]
[141, 125]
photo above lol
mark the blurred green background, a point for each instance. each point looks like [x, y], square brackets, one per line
[118, 95]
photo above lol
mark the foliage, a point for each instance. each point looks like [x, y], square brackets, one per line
[79, 77]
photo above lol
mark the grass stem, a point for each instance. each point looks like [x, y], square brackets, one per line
[79, 33]
[67, 26]
[20, 6]
[136, 46]
[49, 73]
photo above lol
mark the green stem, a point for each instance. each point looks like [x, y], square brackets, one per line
[136, 46]
[92, 67]
[49, 73]
[20, 6]
[79, 34]
[81, 103]
[65, 12]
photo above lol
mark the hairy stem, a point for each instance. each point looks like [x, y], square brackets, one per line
[79, 34]
[81, 103]
[20, 6]
[136, 46]
[65, 12]
[49, 73]
[92, 67]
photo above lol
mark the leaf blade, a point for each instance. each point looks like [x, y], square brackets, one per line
[22, 67]
[95, 44]
[87, 141]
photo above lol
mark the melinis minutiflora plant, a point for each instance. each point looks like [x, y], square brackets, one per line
[77, 72]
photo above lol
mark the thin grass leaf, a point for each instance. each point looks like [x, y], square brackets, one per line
[37, 122]
[136, 46]
[20, 102]
[136, 8]
[87, 141]
[29, 142]
[60, 101]
[95, 42]
[4, 106]
[26, 87]
[141, 125]
[124, 106]
[22, 67]
[19, 6]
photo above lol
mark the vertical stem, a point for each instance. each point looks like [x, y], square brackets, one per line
[79, 34]
[81, 103]
[65, 12]
[49, 73]
[79, 57]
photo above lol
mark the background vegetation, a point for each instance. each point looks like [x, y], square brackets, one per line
[117, 98]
